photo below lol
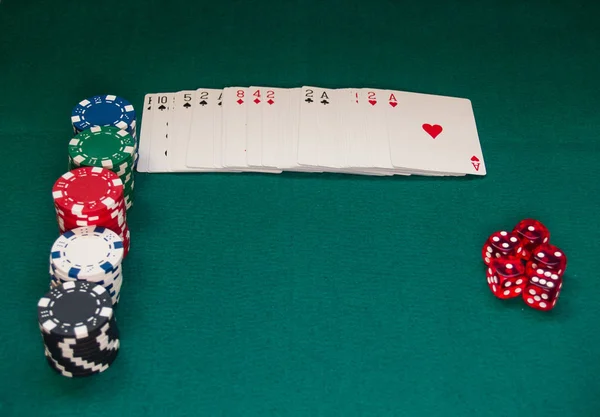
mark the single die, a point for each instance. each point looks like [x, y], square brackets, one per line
[501, 244]
[532, 233]
[543, 289]
[549, 258]
[506, 277]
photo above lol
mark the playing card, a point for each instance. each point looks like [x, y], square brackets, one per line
[179, 130]
[289, 123]
[146, 132]
[377, 149]
[235, 101]
[320, 137]
[349, 146]
[354, 130]
[158, 153]
[355, 147]
[204, 148]
[264, 126]
[433, 133]
[275, 114]
[269, 129]
[375, 145]
[254, 127]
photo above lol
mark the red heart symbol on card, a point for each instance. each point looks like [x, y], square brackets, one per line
[393, 103]
[475, 162]
[432, 130]
[373, 102]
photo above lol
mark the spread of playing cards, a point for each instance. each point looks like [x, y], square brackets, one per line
[309, 129]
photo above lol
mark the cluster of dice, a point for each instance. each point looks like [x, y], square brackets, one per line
[524, 263]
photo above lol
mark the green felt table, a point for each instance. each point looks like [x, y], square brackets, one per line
[307, 294]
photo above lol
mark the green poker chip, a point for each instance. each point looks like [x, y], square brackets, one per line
[103, 146]
[107, 147]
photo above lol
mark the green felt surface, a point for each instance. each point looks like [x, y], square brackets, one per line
[314, 295]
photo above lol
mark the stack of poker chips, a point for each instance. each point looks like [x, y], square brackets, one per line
[88, 254]
[105, 110]
[106, 147]
[78, 328]
[91, 197]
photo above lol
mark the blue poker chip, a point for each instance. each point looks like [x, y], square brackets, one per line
[105, 110]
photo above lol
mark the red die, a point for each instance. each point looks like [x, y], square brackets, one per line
[501, 244]
[532, 233]
[543, 289]
[549, 258]
[506, 277]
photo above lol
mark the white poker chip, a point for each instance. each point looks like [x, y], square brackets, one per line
[87, 253]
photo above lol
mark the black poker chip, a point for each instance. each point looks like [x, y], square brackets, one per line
[78, 371]
[78, 328]
[109, 329]
[93, 345]
[85, 364]
[75, 309]
[92, 352]
[61, 370]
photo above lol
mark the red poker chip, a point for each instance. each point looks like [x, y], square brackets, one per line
[118, 217]
[87, 191]
[116, 221]
[112, 212]
[117, 226]
[120, 224]
[120, 221]
[113, 219]
[126, 236]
